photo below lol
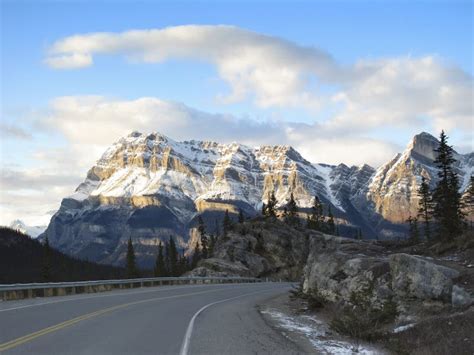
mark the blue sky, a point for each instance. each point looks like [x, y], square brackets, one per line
[398, 39]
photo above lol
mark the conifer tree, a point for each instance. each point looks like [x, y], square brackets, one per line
[196, 255]
[227, 223]
[216, 228]
[167, 259]
[241, 216]
[132, 271]
[292, 208]
[446, 196]
[160, 268]
[425, 206]
[271, 205]
[212, 244]
[46, 267]
[316, 218]
[204, 240]
[264, 209]
[331, 225]
[173, 257]
[413, 228]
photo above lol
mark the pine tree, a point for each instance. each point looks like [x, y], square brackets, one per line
[316, 218]
[271, 205]
[227, 223]
[425, 209]
[241, 216]
[196, 255]
[46, 267]
[249, 246]
[292, 208]
[132, 271]
[212, 245]
[264, 209]
[173, 257]
[330, 224]
[216, 228]
[204, 240]
[167, 259]
[446, 196]
[413, 228]
[160, 268]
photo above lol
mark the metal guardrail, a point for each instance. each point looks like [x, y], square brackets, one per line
[19, 291]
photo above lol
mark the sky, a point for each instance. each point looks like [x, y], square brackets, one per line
[342, 81]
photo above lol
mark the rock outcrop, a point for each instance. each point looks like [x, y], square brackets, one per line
[339, 268]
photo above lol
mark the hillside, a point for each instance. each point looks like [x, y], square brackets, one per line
[22, 260]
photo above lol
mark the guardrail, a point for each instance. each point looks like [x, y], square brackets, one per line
[20, 291]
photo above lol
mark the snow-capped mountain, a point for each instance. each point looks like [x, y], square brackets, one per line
[392, 191]
[32, 231]
[149, 186]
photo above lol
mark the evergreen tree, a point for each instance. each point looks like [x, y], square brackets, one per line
[249, 246]
[259, 247]
[173, 257]
[425, 206]
[292, 208]
[160, 268]
[227, 223]
[216, 228]
[212, 244]
[413, 228]
[46, 265]
[167, 259]
[264, 209]
[316, 219]
[204, 240]
[241, 216]
[446, 196]
[196, 255]
[132, 271]
[331, 226]
[270, 210]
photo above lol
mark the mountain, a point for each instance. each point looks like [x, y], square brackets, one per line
[22, 261]
[148, 187]
[32, 231]
[391, 194]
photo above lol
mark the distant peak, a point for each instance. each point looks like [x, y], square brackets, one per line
[423, 144]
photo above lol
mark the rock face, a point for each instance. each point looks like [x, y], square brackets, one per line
[337, 268]
[148, 187]
[258, 249]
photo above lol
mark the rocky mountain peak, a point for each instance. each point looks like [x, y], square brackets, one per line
[423, 145]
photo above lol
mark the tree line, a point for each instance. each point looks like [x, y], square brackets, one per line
[442, 210]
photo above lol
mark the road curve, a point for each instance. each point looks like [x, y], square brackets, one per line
[197, 319]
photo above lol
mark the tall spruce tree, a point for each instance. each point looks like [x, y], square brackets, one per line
[446, 197]
[425, 206]
[204, 239]
[316, 218]
[173, 257]
[227, 223]
[271, 205]
[160, 268]
[46, 262]
[241, 216]
[132, 271]
[331, 226]
[196, 255]
[292, 208]
[413, 230]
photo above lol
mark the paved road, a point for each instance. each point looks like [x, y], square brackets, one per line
[197, 319]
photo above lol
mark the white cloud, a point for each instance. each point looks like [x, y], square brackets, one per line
[279, 73]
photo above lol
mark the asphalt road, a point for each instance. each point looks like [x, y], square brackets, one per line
[197, 319]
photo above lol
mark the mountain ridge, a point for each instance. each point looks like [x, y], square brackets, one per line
[148, 186]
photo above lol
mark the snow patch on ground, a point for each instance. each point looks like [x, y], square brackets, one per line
[317, 332]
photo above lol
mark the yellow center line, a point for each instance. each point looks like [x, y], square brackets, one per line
[26, 338]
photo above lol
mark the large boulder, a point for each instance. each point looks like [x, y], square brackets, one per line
[415, 277]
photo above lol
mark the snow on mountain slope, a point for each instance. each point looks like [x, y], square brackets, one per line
[32, 231]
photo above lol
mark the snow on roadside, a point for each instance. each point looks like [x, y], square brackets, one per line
[318, 334]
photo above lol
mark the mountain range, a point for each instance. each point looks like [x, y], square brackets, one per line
[149, 186]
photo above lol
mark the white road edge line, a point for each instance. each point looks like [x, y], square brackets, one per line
[116, 293]
[189, 331]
